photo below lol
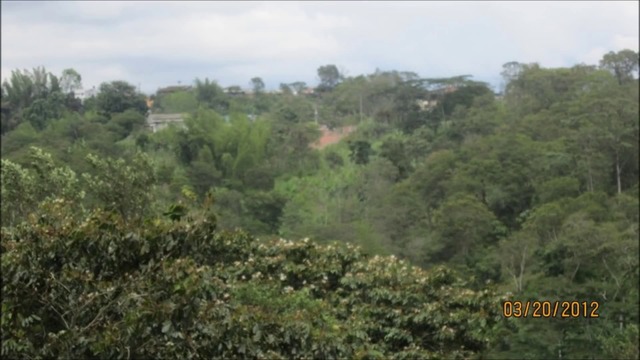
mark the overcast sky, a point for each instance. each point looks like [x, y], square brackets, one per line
[156, 44]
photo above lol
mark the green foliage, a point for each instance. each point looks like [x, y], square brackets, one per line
[100, 288]
[360, 152]
[26, 189]
[70, 81]
[118, 97]
[622, 64]
[329, 77]
[123, 124]
[534, 193]
[120, 187]
[34, 97]
[176, 102]
[209, 94]
[462, 222]
[257, 84]
[393, 149]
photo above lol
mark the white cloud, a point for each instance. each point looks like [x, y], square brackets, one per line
[287, 41]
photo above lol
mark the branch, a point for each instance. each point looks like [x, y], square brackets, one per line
[613, 276]
[95, 319]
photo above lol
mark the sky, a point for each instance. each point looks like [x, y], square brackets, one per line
[157, 44]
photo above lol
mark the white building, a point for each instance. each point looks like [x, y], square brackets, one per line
[160, 121]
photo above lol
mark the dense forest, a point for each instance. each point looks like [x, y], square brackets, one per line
[230, 235]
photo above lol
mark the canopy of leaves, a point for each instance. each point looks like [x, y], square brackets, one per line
[97, 287]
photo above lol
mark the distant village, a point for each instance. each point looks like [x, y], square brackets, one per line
[159, 121]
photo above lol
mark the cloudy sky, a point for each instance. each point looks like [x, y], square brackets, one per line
[154, 44]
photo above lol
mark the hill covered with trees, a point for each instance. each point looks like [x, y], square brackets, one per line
[446, 200]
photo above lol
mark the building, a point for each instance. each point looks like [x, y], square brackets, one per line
[160, 121]
[308, 91]
[173, 89]
[427, 104]
[449, 89]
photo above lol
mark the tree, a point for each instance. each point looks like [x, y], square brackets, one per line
[119, 96]
[42, 111]
[177, 102]
[329, 77]
[123, 124]
[608, 119]
[360, 151]
[393, 149]
[100, 287]
[257, 84]
[462, 223]
[515, 254]
[71, 81]
[211, 95]
[622, 64]
[26, 189]
[431, 177]
[298, 87]
[24, 88]
[122, 187]
[203, 173]
[510, 72]
[286, 89]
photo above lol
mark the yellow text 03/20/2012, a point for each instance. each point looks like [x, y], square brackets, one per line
[551, 309]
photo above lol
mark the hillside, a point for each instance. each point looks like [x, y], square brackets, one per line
[445, 201]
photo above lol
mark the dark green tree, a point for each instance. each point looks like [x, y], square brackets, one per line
[329, 77]
[622, 64]
[257, 84]
[118, 97]
[360, 152]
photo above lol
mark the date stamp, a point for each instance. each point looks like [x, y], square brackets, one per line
[551, 309]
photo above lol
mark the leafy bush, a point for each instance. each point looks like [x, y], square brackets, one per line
[100, 287]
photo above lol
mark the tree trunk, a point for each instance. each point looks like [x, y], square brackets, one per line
[522, 266]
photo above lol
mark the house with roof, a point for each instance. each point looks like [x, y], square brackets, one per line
[426, 104]
[157, 122]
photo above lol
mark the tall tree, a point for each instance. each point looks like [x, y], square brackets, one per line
[622, 64]
[71, 81]
[21, 90]
[257, 84]
[119, 96]
[286, 89]
[329, 77]
[211, 95]
[298, 86]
